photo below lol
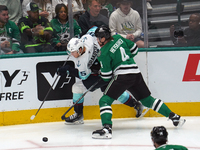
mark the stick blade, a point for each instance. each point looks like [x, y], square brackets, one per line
[32, 117]
[63, 117]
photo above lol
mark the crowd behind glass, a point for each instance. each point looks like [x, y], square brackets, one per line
[32, 26]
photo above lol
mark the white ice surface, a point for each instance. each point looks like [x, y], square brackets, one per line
[128, 134]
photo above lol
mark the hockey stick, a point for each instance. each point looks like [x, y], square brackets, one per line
[33, 116]
[144, 113]
[63, 116]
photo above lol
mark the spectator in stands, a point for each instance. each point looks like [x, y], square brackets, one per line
[188, 37]
[126, 22]
[92, 17]
[44, 5]
[9, 33]
[15, 9]
[159, 137]
[137, 5]
[56, 2]
[77, 6]
[107, 8]
[61, 28]
[36, 31]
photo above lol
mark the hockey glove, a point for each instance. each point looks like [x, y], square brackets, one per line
[64, 70]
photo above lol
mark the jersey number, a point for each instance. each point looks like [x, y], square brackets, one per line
[123, 54]
[83, 73]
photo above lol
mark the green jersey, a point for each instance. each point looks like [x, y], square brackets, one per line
[62, 31]
[10, 32]
[171, 147]
[116, 57]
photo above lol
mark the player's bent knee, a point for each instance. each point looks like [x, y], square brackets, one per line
[105, 100]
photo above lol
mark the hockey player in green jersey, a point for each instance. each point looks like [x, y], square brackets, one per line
[159, 136]
[120, 70]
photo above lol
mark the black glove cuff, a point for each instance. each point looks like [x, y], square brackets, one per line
[74, 72]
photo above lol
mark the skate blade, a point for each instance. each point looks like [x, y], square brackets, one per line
[181, 122]
[105, 136]
[75, 122]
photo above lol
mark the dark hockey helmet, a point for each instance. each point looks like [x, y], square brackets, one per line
[103, 31]
[159, 134]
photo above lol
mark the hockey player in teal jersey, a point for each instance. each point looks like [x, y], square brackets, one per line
[159, 136]
[116, 57]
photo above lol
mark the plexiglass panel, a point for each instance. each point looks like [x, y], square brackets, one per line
[48, 25]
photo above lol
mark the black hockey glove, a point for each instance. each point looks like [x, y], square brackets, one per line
[64, 70]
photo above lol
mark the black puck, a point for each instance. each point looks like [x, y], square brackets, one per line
[45, 139]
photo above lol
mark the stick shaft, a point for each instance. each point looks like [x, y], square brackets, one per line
[63, 116]
[144, 113]
[47, 95]
[50, 88]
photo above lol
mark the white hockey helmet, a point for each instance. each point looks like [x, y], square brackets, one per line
[74, 45]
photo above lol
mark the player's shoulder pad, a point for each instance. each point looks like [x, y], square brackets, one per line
[92, 30]
[87, 37]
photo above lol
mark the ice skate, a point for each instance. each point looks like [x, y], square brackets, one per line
[75, 119]
[105, 133]
[176, 119]
[139, 108]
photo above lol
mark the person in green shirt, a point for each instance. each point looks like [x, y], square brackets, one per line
[61, 28]
[159, 136]
[119, 68]
[9, 33]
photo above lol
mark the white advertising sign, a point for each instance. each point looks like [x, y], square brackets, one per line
[26, 81]
[174, 76]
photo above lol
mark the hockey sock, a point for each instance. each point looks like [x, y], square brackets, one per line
[126, 99]
[105, 109]
[157, 105]
[78, 108]
[130, 102]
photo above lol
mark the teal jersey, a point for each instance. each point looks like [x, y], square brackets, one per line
[171, 147]
[62, 31]
[116, 57]
[11, 33]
